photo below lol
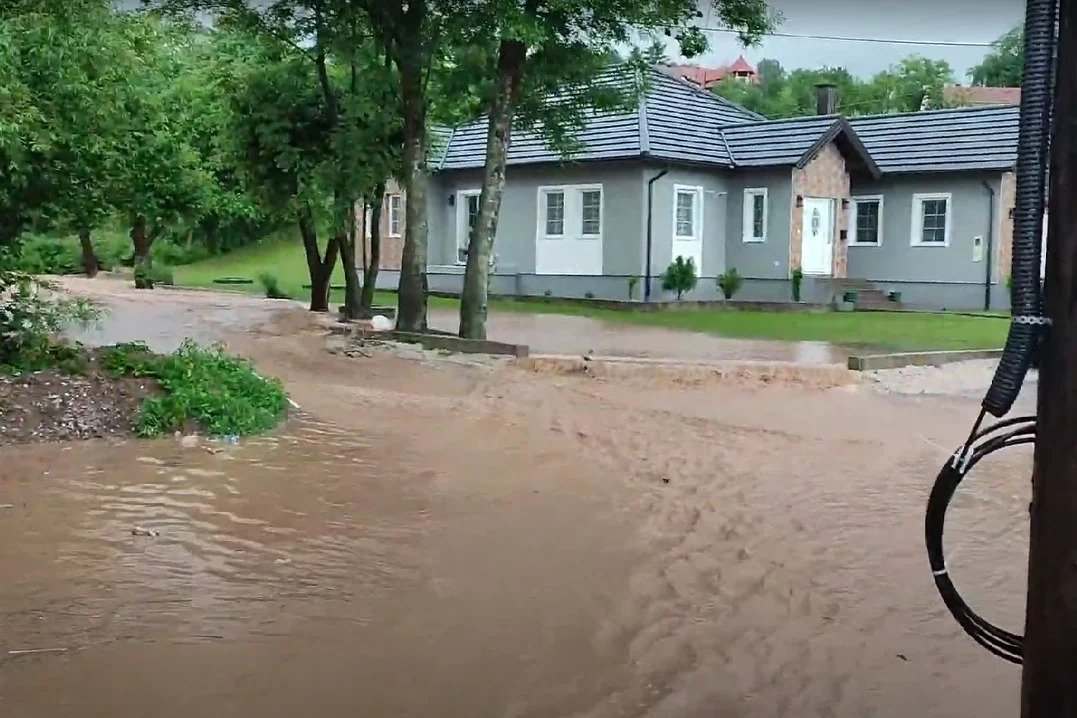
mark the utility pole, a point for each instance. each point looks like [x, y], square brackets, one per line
[1049, 681]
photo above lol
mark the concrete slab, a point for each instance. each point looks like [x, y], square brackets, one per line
[895, 361]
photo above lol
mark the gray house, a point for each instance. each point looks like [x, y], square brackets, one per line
[917, 204]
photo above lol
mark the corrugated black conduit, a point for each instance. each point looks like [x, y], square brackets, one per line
[1026, 328]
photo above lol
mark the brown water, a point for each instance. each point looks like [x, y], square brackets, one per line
[460, 541]
[563, 334]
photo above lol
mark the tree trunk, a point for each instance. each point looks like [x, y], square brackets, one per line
[370, 275]
[1049, 687]
[510, 66]
[319, 268]
[90, 265]
[142, 242]
[411, 311]
[344, 223]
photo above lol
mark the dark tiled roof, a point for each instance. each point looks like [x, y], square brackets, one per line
[676, 122]
[684, 123]
[776, 142]
[978, 138]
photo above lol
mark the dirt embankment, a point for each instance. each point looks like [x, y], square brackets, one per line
[55, 405]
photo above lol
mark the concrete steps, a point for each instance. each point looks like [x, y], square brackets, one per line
[868, 296]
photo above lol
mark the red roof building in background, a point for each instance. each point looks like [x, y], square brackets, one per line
[708, 77]
[956, 95]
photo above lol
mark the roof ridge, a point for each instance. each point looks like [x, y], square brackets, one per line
[714, 97]
[448, 144]
[798, 118]
[939, 111]
[728, 149]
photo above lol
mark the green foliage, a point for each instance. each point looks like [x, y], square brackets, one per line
[220, 394]
[39, 254]
[147, 275]
[271, 284]
[633, 284]
[680, 276]
[173, 253]
[913, 84]
[730, 282]
[129, 359]
[798, 279]
[1004, 66]
[30, 318]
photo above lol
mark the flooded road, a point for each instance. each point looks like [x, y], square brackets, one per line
[563, 334]
[430, 539]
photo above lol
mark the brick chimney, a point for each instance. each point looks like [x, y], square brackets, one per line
[826, 99]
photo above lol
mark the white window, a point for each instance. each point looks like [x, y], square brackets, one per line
[755, 215]
[396, 214]
[687, 210]
[591, 212]
[555, 213]
[931, 220]
[571, 211]
[467, 203]
[867, 221]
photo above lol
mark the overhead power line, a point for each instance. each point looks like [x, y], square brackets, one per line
[852, 38]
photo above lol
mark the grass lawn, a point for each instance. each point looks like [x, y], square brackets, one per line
[283, 256]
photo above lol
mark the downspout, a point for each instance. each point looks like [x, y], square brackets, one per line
[990, 244]
[650, 232]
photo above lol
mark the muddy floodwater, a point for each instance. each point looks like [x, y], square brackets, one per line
[431, 539]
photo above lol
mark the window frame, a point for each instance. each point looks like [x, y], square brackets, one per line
[395, 214]
[748, 215]
[572, 220]
[697, 212]
[462, 228]
[917, 231]
[854, 241]
[581, 190]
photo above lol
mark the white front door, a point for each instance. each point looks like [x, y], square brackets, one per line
[817, 247]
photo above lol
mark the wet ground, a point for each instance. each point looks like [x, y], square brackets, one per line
[485, 541]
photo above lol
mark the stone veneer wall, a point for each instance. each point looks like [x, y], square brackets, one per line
[1007, 200]
[825, 176]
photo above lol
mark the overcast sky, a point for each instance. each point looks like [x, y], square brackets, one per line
[920, 20]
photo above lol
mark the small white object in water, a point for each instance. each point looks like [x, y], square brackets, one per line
[139, 531]
[381, 323]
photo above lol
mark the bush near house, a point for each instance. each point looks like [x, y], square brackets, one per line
[730, 282]
[680, 276]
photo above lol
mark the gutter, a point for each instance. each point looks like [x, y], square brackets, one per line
[650, 232]
[990, 244]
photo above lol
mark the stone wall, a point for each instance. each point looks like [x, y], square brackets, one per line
[824, 176]
[392, 248]
[1007, 200]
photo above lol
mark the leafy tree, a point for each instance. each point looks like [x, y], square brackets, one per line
[321, 123]
[546, 46]
[913, 84]
[1004, 66]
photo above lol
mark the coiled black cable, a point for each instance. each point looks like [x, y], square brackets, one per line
[1033, 144]
[980, 444]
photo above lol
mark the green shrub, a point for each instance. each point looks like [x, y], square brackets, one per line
[40, 254]
[633, 282]
[31, 318]
[147, 276]
[271, 284]
[798, 278]
[680, 276]
[174, 254]
[220, 394]
[730, 282]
